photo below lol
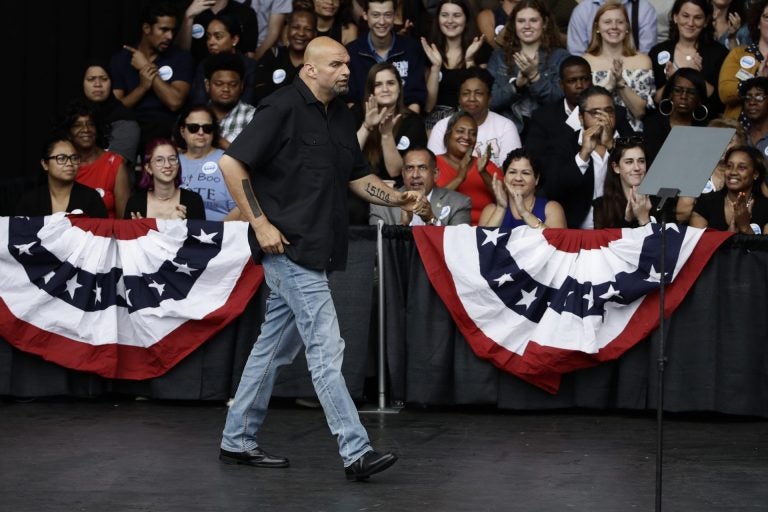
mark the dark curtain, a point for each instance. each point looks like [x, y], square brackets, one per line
[716, 345]
[51, 39]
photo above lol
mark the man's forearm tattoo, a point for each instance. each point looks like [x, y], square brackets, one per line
[251, 198]
[378, 193]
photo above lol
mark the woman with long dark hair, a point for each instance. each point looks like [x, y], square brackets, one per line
[526, 69]
[621, 206]
[455, 45]
[388, 127]
[691, 44]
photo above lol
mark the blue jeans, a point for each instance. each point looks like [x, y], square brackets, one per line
[299, 309]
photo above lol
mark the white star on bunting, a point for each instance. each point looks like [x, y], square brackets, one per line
[492, 236]
[206, 238]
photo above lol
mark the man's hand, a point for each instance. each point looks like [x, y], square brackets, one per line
[410, 200]
[138, 60]
[271, 240]
[198, 6]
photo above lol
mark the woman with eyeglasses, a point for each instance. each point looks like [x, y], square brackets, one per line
[754, 118]
[161, 197]
[691, 45]
[60, 192]
[526, 68]
[517, 203]
[621, 206]
[460, 170]
[618, 66]
[681, 105]
[100, 169]
[745, 62]
[197, 137]
[739, 207]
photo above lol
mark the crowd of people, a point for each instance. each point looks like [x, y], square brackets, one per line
[463, 84]
[301, 117]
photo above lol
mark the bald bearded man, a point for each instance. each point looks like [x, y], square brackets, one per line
[288, 171]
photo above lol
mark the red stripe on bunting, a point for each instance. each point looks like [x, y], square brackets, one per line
[116, 361]
[118, 229]
[543, 366]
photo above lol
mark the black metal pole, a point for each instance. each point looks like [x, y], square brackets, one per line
[660, 367]
[664, 194]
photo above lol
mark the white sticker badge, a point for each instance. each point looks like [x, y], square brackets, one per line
[747, 61]
[198, 31]
[498, 29]
[210, 167]
[278, 76]
[165, 72]
[404, 143]
[663, 57]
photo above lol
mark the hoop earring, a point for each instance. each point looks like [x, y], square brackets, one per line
[703, 117]
[661, 107]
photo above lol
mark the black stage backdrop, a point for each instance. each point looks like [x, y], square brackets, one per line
[54, 38]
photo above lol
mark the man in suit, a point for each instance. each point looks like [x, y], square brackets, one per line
[551, 124]
[576, 172]
[446, 207]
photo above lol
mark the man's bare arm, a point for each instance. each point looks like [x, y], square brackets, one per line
[271, 240]
[374, 190]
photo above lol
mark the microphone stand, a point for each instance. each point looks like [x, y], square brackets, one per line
[664, 194]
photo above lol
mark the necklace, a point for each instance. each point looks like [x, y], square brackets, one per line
[154, 194]
[750, 200]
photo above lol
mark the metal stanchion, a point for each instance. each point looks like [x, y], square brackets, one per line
[382, 367]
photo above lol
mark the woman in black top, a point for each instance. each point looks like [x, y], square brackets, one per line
[621, 206]
[691, 44]
[739, 206]
[682, 104]
[160, 178]
[60, 192]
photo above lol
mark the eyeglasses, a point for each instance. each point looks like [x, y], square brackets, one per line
[628, 141]
[61, 159]
[194, 128]
[684, 90]
[160, 161]
[754, 97]
[594, 111]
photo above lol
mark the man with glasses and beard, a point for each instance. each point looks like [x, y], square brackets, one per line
[288, 172]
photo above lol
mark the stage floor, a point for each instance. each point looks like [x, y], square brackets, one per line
[125, 455]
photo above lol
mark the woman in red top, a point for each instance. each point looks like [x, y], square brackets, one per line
[100, 169]
[459, 170]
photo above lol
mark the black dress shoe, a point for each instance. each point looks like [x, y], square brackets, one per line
[369, 464]
[256, 457]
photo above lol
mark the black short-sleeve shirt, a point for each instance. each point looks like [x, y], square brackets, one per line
[301, 157]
